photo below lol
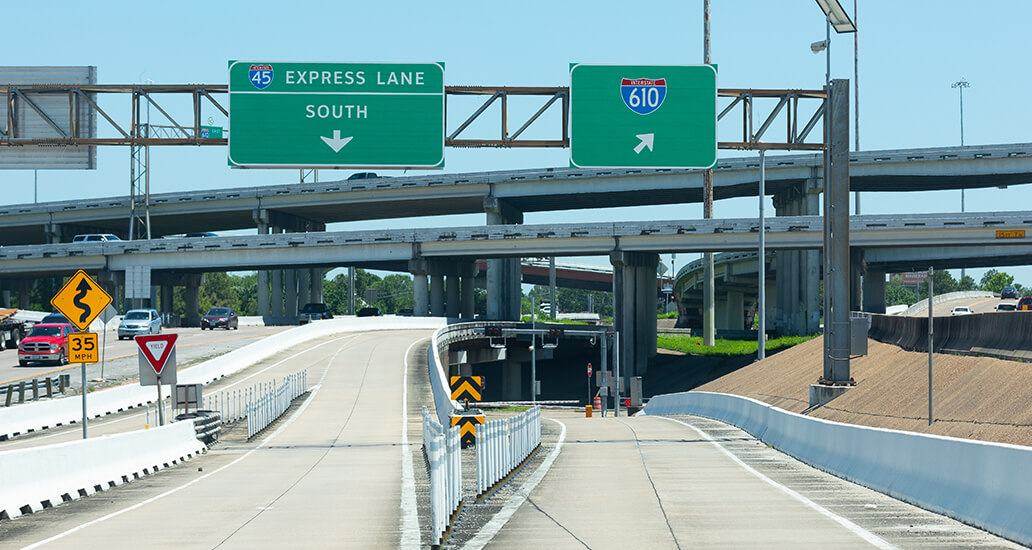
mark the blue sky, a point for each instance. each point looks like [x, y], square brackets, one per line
[910, 53]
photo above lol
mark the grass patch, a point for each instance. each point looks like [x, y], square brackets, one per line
[726, 348]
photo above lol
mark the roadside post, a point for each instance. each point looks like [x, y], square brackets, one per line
[589, 383]
[157, 358]
[81, 300]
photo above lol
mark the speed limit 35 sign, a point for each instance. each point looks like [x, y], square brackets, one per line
[83, 348]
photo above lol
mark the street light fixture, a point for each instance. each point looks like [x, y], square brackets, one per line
[960, 85]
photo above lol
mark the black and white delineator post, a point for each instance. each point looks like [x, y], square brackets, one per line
[157, 357]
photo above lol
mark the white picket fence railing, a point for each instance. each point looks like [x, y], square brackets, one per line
[504, 444]
[442, 448]
[269, 401]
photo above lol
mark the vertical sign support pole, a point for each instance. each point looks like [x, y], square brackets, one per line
[84, 419]
[533, 350]
[761, 306]
[617, 387]
[161, 405]
[836, 235]
[931, 341]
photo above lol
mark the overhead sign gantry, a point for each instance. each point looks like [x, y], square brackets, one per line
[336, 115]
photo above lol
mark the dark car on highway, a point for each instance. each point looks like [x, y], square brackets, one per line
[369, 312]
[314, 312]
[1009, 293]
[220, 317]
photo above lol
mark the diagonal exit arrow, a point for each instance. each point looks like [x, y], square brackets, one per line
[646, 141]
[336, 142]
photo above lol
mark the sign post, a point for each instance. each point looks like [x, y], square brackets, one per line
[81, 300]
[589, 383]
[644, 116]
[336, 115]
[157, 357]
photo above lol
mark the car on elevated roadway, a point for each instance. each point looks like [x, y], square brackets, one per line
[1025, 303]
[45, 342]
[1009, 293]
[139, 321]
[220, 317]
[961, 310]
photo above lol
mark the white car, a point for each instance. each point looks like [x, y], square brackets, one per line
[962, 310]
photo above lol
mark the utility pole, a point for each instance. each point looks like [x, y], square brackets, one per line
[708, 317]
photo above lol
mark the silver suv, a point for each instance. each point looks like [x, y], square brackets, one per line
[95, 237]
[139, 321]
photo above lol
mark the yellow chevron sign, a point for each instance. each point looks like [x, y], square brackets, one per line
[467, 388]
[467, 427]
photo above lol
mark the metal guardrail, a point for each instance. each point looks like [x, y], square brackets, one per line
[60, 382]
[503, 445]
[270, 401]
[444, 462]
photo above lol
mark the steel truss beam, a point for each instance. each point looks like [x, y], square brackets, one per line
[177, 133]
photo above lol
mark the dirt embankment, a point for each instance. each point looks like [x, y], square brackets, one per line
[974, 397]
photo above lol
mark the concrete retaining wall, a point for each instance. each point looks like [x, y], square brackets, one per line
[46, 414]
[1000, 334]
[40, 477]
[983, 484]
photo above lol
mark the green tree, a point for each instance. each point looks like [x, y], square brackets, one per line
[897, 294]
[994, 281]
[943, 283]
[966, 283]
[393, 292]
[246, 289]
[218, 290]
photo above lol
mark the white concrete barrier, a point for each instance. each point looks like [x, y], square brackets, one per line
[38, 477]
[47, 414]
[984, 484]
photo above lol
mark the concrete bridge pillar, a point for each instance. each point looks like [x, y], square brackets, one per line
[193, 283]
[316, 275]
[634, 298]
[503, 275]
[304, 287]
[512, 380]
[467, 274]
[290, 293]
[735, 315]
[263, 275]
[276, 283]
[857, 271]
[436, 293]
[798, 272]
[874, 291]
[166, 298]
[52, 232]
[452, 292]
[420, 292]
[5, 298]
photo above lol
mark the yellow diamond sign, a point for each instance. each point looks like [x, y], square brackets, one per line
[81, 300]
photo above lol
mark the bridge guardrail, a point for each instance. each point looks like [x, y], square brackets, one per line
[503, 445]
[1001, 334]
[980, 483]
[61, 382]
[444, 464]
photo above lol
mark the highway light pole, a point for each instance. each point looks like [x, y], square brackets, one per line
[960, 85]
[708, 315]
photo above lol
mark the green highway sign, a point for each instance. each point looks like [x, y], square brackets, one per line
[643, 116]
[336, 115]
[211, 132]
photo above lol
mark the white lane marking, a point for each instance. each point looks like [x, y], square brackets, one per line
[98, 423]
[264, 442]
[409, 515]
[488, 531]
[849, 525]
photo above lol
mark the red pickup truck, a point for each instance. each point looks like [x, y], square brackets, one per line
[45, 342]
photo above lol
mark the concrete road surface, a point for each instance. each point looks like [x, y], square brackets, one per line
[657, 483]
[328, 476]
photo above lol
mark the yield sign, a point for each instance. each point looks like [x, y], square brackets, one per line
[157, 348]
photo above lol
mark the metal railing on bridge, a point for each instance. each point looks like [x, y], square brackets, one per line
[444, 462]
[505, 444]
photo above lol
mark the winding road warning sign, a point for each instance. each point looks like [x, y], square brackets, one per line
[81, 300]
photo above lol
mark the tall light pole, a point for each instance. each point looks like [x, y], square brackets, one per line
[960, 85]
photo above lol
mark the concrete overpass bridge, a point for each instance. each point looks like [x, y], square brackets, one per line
[452, 253]
[737, 287]
[508, 194]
